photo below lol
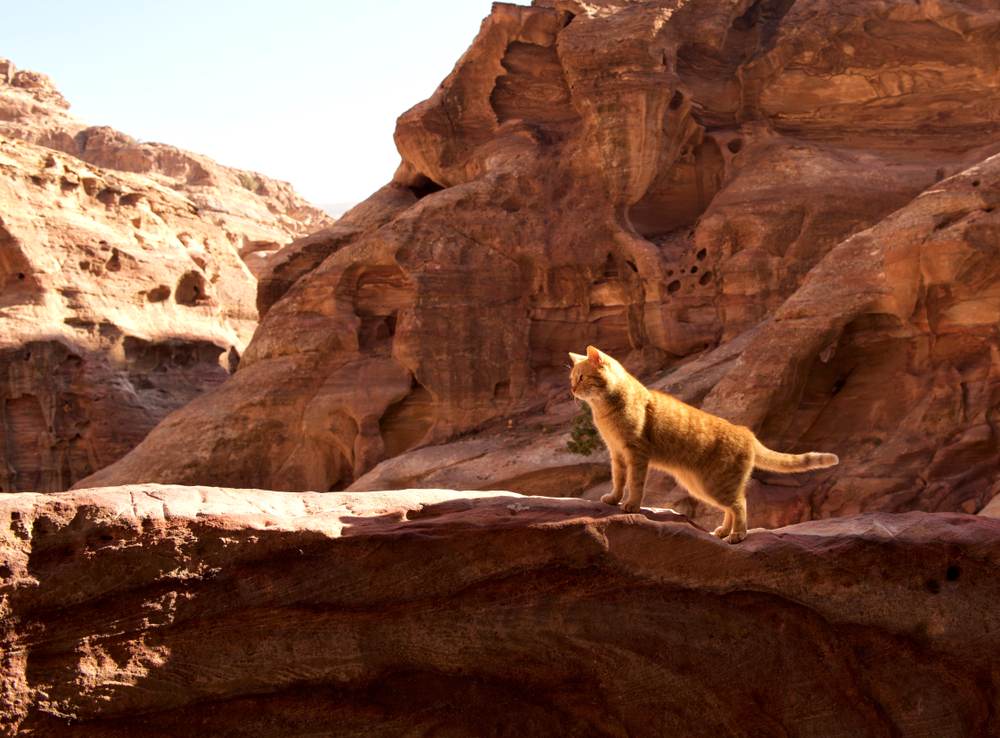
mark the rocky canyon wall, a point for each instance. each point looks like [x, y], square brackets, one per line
[125, 282]
[783, 210]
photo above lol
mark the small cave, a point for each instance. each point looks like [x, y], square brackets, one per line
[611, 268]
[424, 186]
[680, 193]
[674, 286]
[700, 256]
[130, 199]
[501, 390]
[975, 183]
[114, 264]
[677, 100]
[148, 357]
[705, 279]
[233, 359]
[158, 293]
[380, 292]
[735, 145]
[108, 196]
[376, 329]
[405, 423]
[191, 290]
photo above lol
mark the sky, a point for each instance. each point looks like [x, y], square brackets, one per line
[306, 91]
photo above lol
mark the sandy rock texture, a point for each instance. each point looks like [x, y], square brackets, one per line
[808, 182]
[258, 215]
[161, 610]
[124, 292]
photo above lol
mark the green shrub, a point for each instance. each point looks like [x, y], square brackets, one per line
[583, 435]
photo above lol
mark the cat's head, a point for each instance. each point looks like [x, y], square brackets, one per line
[592, 375]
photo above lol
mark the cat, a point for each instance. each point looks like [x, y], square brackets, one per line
[711, 457]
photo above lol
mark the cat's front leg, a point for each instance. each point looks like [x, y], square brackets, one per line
[638, 466]
[618, 475]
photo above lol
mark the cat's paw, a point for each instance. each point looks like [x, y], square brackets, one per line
[631, 507]
[721, 532]
[735, 537]
[610, 498]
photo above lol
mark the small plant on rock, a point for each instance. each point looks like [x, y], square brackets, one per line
[583, 435]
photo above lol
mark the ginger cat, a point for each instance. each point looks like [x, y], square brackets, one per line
[710, 456]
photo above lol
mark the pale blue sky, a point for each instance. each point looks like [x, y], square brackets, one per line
[302, 90]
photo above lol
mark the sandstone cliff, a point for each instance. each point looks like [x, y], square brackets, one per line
[123, 287]
[162, 611]
[784, 210]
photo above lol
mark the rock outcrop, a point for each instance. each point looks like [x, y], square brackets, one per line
[162, 611]
[257, 214]
[808, 181]
[123, 295]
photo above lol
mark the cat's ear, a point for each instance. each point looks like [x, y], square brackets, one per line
[576, 358]
[596, 357]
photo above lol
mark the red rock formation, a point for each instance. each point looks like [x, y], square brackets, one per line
[170, 611]
[258, 214]
[122, 296]
[659, 179]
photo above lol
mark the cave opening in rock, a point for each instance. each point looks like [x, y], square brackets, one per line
[405, 423]
[680, 193]
[191, 289]
[424, 186]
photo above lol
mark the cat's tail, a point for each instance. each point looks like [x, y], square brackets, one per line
[775, 461]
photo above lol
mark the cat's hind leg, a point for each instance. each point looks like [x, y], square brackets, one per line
[727, 525]
[739, 513]
[618, 474]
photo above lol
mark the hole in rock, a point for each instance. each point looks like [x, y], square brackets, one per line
[424, 186]
[114, 264]
[20, 276]
[694, 270]
[933, 586]
[705, 279]
[953, 572]
[677, 100]
[735, 145]
[975, 183]
[700, 256]
[130, 199]
[375, 329]
[158, 294]
[191, 289]
[501, 390]
[107, 196]
[674, 286]
[631, 265]
[679, 193]
[611, 268]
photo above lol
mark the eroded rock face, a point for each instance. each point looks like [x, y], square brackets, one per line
[658, 179]
[258, 215]
[124, 292]
[166, 610]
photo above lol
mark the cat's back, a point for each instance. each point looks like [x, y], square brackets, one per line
[676, 424]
